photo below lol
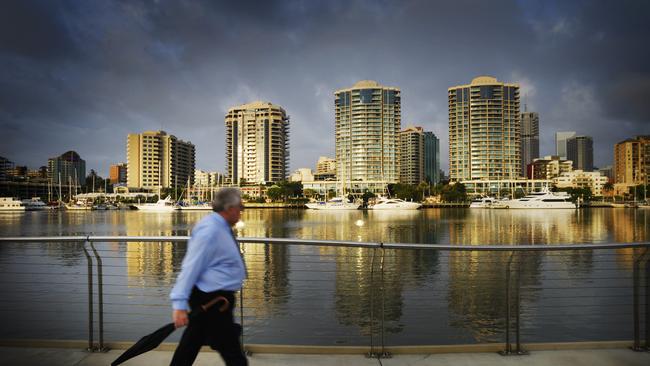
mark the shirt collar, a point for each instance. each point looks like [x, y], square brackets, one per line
[218, 218]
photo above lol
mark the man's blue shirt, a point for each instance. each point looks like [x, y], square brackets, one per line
[212, 262]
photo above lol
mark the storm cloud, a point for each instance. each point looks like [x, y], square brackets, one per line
[81, 75]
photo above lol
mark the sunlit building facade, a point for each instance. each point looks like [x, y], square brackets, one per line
[156, 159]
[257, 143]
[484, 130]
[368, 122]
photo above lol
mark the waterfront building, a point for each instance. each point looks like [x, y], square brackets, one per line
[548, 167]
[411, 155]
[326, 165]
[504, 187]
[302, 175]
[40, 173]
[581, 179]
[5, 166]
[257, 143]
[18, 171]
[580, 150]
[69, 167]
[355, 188]
[560, 142]
[432, 173]
[529, 138]
[607, 171]
[117, 173]
[368, 121]
[484, 130]
[632, 163]
[156, 159]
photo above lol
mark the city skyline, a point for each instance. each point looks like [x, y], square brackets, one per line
[83, 82]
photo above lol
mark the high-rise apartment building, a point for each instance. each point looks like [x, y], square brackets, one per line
[529, 138]
[560, 142]
[117, 173]
[484, 130]
[69, 167]
[580, 150]
[632, 161]
[156, 159]
[257, 143]
[411, 155]
[368, 123]
[431, 158]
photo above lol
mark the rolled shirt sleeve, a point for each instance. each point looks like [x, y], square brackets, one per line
[199, 252]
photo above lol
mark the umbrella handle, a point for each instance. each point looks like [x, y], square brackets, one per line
[217, 299]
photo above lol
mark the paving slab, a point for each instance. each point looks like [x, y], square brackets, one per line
[17, 356]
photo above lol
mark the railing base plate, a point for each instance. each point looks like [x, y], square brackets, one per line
[514, 353]
[379, 355]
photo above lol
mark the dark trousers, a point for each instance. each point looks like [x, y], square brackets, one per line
[213, 328]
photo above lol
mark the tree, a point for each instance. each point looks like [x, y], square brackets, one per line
[584, 194]
[274, 193]
[608, 187]
[94, 182]
[309, 193]
[403, 191]
[454, 193]
[367, 195]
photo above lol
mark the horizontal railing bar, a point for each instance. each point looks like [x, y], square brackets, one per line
[553, 247]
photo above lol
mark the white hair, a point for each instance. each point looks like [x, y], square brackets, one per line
[225, 199]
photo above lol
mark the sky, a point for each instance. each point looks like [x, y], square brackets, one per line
[81, 75]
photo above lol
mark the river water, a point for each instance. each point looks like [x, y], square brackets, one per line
[333, 295]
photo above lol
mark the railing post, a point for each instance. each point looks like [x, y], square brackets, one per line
[91, 346]
[242, 251]
[647, 305]
[384, 353]
[519, 350]
[372, 353]
[100, 297]
[636, 290]
[508, 350]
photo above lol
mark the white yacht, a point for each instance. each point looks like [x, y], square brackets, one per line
[384, 203]
[166, 205]
[196, 207]
[483, 202]
[34, 204]
[543, 199]
[80, 205]
[10, 204]
[336, 203]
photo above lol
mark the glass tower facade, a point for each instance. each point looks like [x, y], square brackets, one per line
[431, 158]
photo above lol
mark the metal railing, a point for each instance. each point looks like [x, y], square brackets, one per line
[520, 274]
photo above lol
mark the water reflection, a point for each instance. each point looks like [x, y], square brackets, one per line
[345, 283]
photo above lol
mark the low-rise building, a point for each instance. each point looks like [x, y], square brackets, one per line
[302, 175]
[548, 167]
[581, 179]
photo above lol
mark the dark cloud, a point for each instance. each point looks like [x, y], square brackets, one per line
[81, 75]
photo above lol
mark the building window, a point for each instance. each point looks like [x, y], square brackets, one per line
[366, 96]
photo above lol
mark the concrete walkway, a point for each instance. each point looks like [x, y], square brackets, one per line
[67, 357]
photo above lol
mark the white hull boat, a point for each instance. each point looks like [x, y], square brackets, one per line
[166, 205]
[394, 204]
[337, 203]
[8, 204]
[538, 200]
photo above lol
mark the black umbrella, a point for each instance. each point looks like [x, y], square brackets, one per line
[153, 340]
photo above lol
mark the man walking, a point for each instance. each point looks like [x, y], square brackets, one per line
[212, 267]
